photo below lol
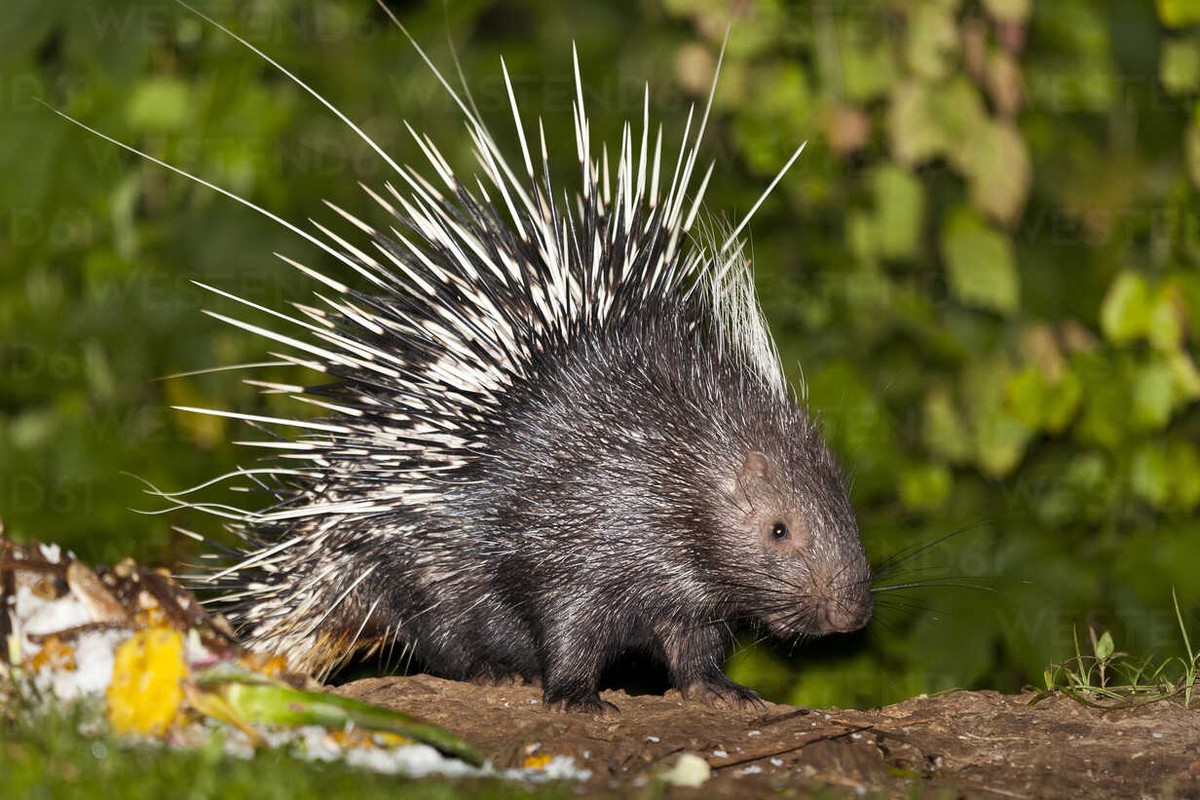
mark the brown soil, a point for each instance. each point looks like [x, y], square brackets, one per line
[961, 744]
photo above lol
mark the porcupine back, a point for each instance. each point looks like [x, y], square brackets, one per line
[551, 426]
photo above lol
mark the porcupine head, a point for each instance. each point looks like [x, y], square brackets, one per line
[556, 431]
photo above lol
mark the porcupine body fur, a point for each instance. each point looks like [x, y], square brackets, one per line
[555, 430]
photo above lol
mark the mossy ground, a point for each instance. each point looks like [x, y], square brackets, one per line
[48, 757]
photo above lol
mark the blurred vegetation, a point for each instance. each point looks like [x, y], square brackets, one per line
[987, 262]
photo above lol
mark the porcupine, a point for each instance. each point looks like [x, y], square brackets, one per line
[553, 434]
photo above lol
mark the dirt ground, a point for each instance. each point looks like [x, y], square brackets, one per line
[961, 744]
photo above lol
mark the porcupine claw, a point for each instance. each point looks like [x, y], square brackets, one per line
[583, 705]
[723, 693]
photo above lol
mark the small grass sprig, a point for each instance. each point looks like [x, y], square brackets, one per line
[1109, 678]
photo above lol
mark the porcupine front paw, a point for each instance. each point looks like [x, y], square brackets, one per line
[583, 703]
[722, 693]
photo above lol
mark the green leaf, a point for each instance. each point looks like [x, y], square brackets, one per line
[1105, 420]
[1000, 440]
[999, 436]
[1179, 66]
[1150, 474]
[1166, 320]
[1186, 376]
[959, 110]
[1025, 393]
[1125, 312]
[996, 163]
[867, 74]
[1042, 403]
[1178, 13]
[1104, 646]
[160, 104]
[257, 700]
[944, 432]
[925, 487]
[1008, 10]
[900, 210]
[979, 263]
[928, 121]
[1066, 394]
[1184, 458]
[913, 132]
[932, 40]
[1153, 396]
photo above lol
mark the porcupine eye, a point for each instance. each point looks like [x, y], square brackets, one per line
[779, 531]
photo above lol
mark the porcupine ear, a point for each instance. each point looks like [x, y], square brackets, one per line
[755, 473]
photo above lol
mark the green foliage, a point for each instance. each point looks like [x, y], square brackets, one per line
[987, 262]
[1108, 678]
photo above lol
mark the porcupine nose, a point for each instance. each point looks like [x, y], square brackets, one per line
[845, 604]
[843, 586]
[844, 614]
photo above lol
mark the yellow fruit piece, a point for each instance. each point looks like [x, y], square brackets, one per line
[538, 761]
[55, 654]
[385, 739]
[272, 665]
[146, 692]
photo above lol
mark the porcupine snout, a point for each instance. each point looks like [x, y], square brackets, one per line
[842, 587]
[839, 614]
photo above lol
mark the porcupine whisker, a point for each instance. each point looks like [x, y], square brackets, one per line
[910, 552]
[935, 580]
[934, 583]
[902, 604]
